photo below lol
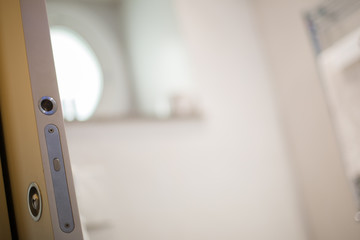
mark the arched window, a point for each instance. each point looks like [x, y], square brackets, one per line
[79, 74]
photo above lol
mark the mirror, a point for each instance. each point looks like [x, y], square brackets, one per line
[127, 59]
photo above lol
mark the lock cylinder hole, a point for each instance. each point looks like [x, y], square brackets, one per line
[34, 202]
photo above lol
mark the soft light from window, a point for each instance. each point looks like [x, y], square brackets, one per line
[79, 74]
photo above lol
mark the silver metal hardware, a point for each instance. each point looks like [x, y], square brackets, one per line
[47, 105]
[34, 201]
[58, 174]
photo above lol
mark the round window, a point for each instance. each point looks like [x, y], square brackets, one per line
[79, 74]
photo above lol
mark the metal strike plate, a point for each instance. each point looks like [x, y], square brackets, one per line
[58, 175]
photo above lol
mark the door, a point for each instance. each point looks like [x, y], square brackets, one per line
[40, 184]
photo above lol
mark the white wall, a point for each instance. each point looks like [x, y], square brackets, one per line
[327, 201]
[224, 177]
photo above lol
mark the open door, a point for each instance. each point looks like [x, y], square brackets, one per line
[40, 185]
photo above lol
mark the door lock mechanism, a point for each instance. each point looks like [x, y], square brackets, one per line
[34, 201]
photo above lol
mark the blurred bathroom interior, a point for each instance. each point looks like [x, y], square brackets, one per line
[212, 119]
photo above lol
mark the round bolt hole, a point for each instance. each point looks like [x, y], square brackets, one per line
[51, 130]
[47, 105]
[67, 225]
